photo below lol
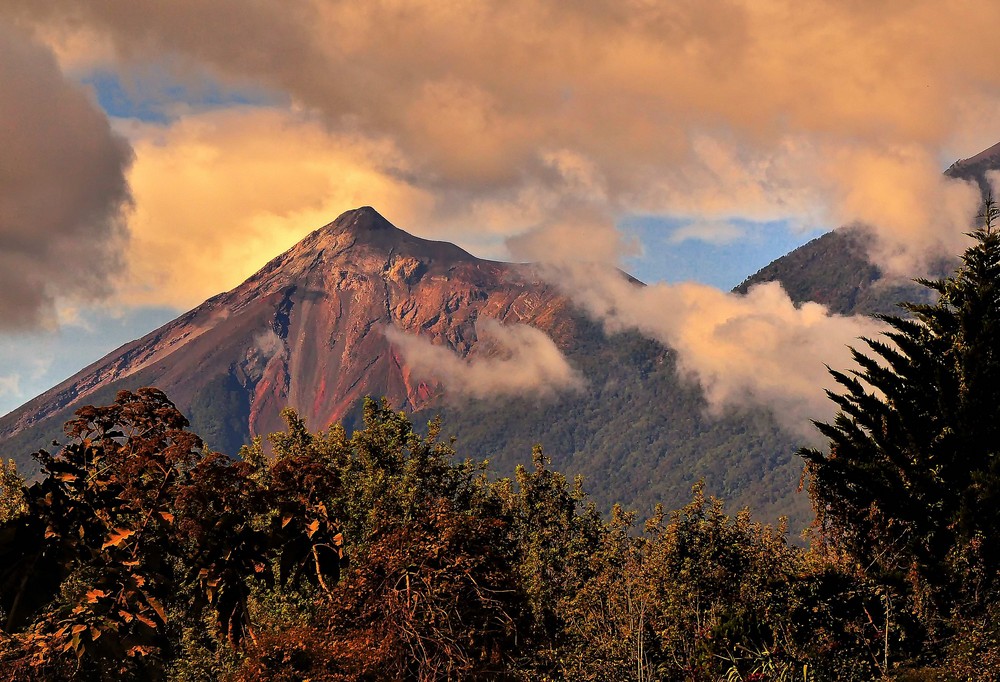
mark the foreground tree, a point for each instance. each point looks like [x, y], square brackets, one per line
[134, 535]
[86, 566]
[910, 486]
[141, 555]
[431, 593]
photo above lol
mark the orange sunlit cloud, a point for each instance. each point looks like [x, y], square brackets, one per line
[529, 127]
[217, 194]
[707, 109]
[758, 349]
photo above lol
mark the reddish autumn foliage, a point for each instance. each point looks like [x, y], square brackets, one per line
[379, 555]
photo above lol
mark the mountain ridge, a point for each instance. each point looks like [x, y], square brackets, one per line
[834, 268]
[305, 331]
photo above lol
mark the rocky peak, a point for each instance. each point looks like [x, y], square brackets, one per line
[358, 241]
[977, 167]
[364, 229]
[359, 222]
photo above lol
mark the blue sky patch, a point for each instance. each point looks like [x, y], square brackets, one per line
[153, 94]
[732, 251]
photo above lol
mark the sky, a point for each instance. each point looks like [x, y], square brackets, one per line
[159, 153]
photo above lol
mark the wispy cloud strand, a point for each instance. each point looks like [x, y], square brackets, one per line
[507, 360]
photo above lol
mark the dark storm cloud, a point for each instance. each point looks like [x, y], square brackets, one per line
[62, 188]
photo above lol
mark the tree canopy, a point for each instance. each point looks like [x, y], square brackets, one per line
[142, 555]
[910, 484]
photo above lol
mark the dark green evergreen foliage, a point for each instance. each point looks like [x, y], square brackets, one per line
[219, 413]
[911, 483]
[639, 434]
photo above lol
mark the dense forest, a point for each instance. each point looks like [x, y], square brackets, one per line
[141, 554]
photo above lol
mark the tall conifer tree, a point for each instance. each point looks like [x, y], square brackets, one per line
[911, 483]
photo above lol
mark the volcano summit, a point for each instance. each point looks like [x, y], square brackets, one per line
[309, 331]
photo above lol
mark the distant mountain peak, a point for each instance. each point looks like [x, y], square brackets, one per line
[362, 225]
[359, 221]
[985, 156]
[835, 269]
[365, 229]
[359, 240]
[976, 168]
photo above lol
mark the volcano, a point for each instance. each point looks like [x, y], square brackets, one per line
[308, 331]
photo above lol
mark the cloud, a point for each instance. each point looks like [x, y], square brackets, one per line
[10, 385]
[715, 232]
[30, 372]
[917, 213]
[705, 109]
[573, 233]
[63, 190]
[507, 360]
[897, 190]
[78, 50]
[758, 349]
[268, 344]
[221, 192]
[541, 122]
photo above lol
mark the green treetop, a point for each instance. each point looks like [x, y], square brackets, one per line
[911, 481]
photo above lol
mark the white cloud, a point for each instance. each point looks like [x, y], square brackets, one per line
[10, 385]
[758, 349]
[506, 360]
[710, 232]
